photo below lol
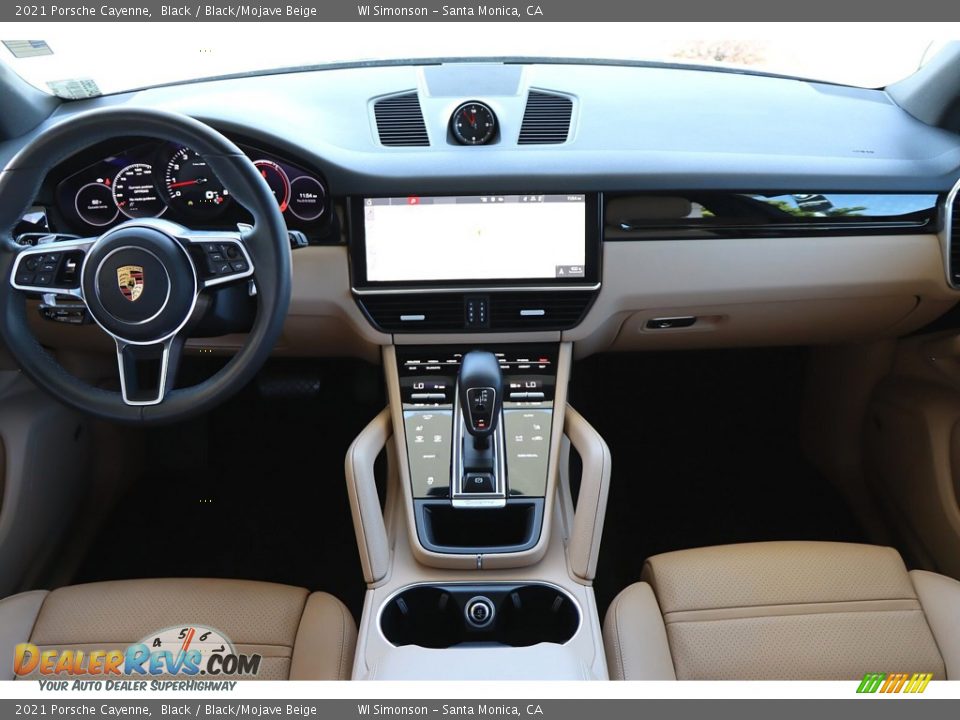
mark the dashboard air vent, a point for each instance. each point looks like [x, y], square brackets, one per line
[546, 121]
[953, 242]
[539, 310]
[508, 310]
[434, 312]
[400, 121]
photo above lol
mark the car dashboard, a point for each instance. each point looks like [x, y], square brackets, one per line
[721, 209]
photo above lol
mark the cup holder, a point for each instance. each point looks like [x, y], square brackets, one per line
[517, 615]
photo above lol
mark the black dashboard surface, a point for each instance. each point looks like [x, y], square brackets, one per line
[632, 129]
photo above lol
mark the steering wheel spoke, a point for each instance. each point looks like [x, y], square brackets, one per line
[219, 257]
[148, 372]
[53, 268]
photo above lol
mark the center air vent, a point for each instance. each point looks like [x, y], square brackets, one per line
[400, 121]
[953, 240]
[539, 310]
[433, 312]
[546, 121]
[447, 312]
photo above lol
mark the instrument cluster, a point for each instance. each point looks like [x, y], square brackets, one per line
[159, 179]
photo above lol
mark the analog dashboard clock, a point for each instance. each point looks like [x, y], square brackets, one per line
[473, 123]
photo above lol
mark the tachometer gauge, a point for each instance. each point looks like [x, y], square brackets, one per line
[136, 194]
[94, 203]
[191, 185]
[277, 180]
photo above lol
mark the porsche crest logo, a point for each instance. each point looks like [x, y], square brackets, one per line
[130, 280]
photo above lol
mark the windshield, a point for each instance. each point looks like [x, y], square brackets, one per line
[84, 59]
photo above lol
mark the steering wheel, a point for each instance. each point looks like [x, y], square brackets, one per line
[141, 280]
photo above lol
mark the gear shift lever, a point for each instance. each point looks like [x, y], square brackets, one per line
[480, 388]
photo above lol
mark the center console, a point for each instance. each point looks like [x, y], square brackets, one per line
[478, 428]
[479, 545]
[477, 550]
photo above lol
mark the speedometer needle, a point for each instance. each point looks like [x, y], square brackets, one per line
[187, 182]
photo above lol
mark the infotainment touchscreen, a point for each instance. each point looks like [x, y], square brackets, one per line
[449, 239]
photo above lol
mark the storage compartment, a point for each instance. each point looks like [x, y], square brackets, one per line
[442, 616]
[447, 529]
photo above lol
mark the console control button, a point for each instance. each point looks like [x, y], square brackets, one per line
[478, 483]
[429, 445]
[479, 612]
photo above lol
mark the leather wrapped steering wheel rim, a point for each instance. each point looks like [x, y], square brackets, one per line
[266, 246]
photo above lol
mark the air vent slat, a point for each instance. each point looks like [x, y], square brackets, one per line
[546, 119]
[400, 121]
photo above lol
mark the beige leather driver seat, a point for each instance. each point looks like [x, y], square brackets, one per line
[783, 611]
[299, 635]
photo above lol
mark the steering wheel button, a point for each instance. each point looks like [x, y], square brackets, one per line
[216, 257]
[240, 266]
[231, 251]
[45, 279]
[51, 258]
[25, 278]
[48, 267]
[32, 263]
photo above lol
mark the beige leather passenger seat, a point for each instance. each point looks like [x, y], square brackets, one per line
[783, 611]
[299, 635]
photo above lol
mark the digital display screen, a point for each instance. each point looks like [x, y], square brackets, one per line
[475, 238]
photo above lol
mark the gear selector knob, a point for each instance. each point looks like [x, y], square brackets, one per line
[480, 388]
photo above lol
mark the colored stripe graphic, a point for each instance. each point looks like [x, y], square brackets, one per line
[871, 682]
[923, 679]
[891, 683]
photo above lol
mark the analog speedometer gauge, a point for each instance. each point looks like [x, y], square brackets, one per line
[191, 185]
[136, 194]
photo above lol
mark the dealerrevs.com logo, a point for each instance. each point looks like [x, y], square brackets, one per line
[189, 651]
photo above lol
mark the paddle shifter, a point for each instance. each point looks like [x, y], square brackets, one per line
[480, 392]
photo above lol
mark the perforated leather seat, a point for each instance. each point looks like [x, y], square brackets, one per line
[299, 635]
[783, 610]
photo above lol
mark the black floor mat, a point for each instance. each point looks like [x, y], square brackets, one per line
[706, 451]
[254, 490]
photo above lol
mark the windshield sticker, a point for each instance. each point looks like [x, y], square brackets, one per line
[75, 89]
[28, 48]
